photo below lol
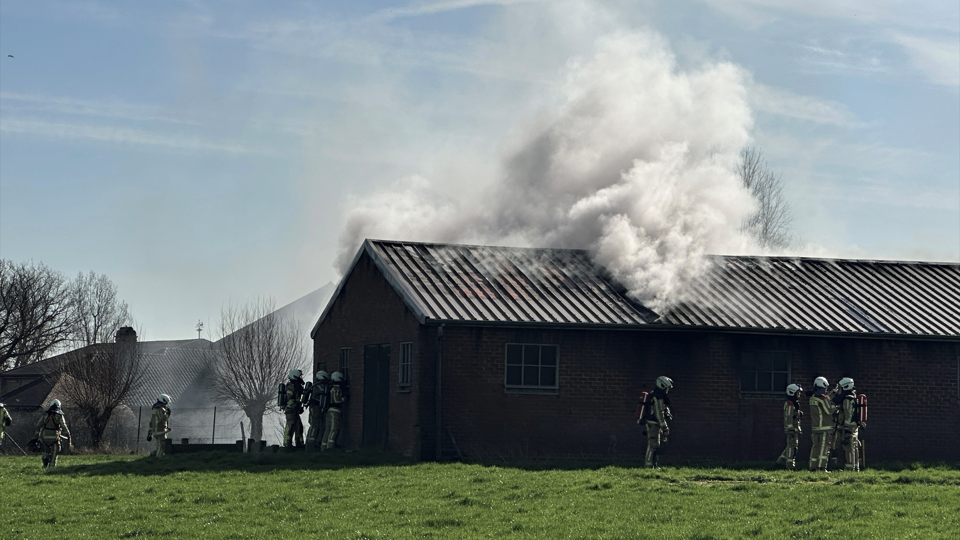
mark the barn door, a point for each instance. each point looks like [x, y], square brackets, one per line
[376, 395]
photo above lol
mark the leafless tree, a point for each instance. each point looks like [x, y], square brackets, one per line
[770, 225]
[97, 311]
[258, 348]
[35, 306]
[96, 379]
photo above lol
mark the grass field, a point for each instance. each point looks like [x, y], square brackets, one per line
[357, 495]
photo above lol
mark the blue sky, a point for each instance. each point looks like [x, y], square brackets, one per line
[201, 153]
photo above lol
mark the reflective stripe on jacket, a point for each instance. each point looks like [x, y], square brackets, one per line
[821, 413]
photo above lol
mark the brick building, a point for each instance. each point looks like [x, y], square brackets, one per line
[506, 353]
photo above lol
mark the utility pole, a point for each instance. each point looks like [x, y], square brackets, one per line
[199, 328]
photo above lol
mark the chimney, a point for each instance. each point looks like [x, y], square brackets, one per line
[126, 334]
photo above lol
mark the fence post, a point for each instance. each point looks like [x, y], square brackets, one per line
[213, 437]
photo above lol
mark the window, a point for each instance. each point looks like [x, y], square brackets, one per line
[531, 366]
[406, 364]
[764, 371]
[345, 363]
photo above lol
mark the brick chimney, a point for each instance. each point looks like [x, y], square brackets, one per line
[126, 334]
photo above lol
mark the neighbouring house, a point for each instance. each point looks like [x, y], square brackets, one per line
[178, 368]
[488, 353]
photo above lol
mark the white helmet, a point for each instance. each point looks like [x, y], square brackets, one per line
[793, 389]
[337, 376]
[295, 374]
[321, 375]
[820, 382]
[846, 383]
[163, 398]
[55, 404]
[664, 383]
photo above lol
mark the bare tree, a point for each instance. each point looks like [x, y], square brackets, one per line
[770, 225]
[258, 349]
[97, 311]
[35, 306]
[96, 379]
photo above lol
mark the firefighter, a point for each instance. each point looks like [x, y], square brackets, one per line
[791, 427]
[657, 415]
[160, 423]
[821, 424]
[293, 431]
[848, 425]
[5, 421]
[338, 398]
[317, 400]
[50, 429]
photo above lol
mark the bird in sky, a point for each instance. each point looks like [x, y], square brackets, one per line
[9, 56]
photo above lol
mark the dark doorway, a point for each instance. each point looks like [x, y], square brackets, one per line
[376, 395]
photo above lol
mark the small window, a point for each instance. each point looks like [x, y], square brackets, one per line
[764, 371]
[531, 366]
[406, 364]
[344, 368]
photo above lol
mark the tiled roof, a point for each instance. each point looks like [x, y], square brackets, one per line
[465, 284]
[171, 372]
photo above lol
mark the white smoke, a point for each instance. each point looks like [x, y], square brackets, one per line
[633, 162]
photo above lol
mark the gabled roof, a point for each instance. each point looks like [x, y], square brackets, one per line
[448, 283]
[459, 283]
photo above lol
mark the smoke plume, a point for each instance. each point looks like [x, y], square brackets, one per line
[633, 161]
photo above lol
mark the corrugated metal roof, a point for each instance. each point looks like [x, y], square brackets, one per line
[445, 282]
[825, 295]
[458, 283]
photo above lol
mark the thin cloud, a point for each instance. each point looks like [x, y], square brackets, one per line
[938, 59]
[784, 103]
[119, 135]
[82, 107]
[431, 8]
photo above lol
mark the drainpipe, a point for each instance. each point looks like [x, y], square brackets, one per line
[439, 362]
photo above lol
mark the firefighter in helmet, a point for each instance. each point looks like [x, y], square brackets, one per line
[51, 427]
[5, 421]
[657, 415]
[160, 423]
[848, 425]
[821, 424]
[338, 398]
[317, 399]
[293, 431]
[791, 426]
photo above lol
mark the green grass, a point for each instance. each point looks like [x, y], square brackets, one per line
[361, 495]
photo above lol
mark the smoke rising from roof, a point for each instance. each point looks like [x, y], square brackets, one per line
[633, 161]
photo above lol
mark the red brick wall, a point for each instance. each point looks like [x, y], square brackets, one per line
[912, 387]
[369, 312]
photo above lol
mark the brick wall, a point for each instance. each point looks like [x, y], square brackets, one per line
[912, 387]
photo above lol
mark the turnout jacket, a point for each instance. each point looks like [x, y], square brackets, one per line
[791, 416]
[659, 411]
[160, 419]
[821, 413]
[294, 390]
[51, 425]
[5, 419]
[337, 397]
[848, 412]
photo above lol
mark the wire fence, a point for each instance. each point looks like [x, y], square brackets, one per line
[128, 428]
